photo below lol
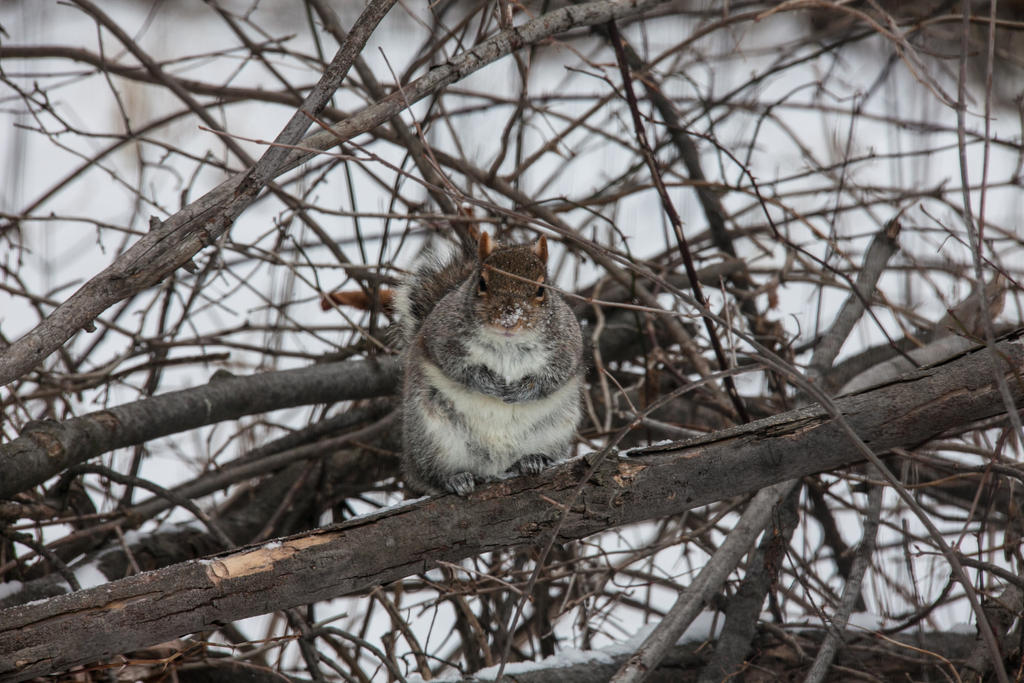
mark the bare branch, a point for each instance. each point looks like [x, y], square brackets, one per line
[368, 551]
[707, 584]
[48, 447]
[202, 222]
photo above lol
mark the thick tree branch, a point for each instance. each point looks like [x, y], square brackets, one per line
[243, 519]
[46, 448]
[356, 555]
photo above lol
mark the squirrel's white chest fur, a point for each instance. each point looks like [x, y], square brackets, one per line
[507, 358]
[506, 431]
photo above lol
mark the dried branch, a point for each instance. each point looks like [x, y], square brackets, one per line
[368, 551]
[707, 584]
[851, 590]
[674, 220]
[745, 605]
[784, 136]
[201, 223]
[46, 448]
[881, 249]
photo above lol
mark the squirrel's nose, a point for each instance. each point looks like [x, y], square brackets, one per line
[510, 318]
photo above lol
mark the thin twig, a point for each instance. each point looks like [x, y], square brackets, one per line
[673, 216]
[851, 590]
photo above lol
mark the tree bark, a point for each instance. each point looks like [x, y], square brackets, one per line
[46, 448]
[356, 555]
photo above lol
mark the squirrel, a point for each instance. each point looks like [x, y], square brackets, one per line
[493, 367]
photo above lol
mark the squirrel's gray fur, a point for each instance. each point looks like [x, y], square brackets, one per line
[493, 369]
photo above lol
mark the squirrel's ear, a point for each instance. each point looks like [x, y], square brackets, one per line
[485, 246]
[540, 248]
[472, 227]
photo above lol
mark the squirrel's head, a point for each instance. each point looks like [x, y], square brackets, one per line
[510, 293]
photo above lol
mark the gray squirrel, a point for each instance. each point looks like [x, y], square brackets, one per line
[493, 367]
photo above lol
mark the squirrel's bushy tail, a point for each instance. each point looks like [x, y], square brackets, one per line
[432, 277]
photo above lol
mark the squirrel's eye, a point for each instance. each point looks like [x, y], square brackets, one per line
[540, 293]
[483, 285]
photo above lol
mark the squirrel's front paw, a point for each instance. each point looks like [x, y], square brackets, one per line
[535, 463]
[462, 483]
